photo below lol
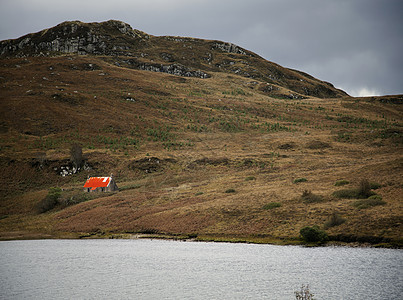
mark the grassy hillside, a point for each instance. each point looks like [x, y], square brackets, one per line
[119, 44]
[216, 158]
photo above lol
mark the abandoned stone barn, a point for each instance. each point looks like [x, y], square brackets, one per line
[100, 184]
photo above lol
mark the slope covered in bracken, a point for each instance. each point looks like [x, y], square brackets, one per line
[197, 147]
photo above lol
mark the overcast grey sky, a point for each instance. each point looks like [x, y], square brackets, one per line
[355, 44]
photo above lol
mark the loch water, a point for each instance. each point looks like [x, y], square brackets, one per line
[161, 269]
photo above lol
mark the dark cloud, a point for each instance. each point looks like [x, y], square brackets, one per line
[355, 44]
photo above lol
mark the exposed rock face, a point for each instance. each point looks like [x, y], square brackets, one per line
[73, 37]
[229, 48]
[174, 69]
[187, 57]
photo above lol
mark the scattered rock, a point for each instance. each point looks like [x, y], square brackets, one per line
[61, 167]
[69, 169]
[174, 69]
[267, 88]
[167, 56]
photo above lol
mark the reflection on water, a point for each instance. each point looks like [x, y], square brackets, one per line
[156, 269]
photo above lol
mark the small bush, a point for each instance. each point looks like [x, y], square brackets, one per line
[341, 182]
[230, 191]
[372, 201]
[199, 193]
[250, 178]
[304, 293]
[192, 235]
[364, 190]
[50, 201]
[148, 231]
[309, 197]
[375, 197]
[271, 205]
[375, 185]
[352, 194]
[298, 180]
[346, 194]
[334, 220]
[313, 234]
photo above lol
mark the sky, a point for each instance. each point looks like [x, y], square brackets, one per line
[357, 45]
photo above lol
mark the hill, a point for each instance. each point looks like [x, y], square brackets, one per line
[119, 44]
[204, 138]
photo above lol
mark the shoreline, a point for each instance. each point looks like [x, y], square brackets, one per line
[24, 235]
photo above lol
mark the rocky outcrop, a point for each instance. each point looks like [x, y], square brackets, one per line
[229, 48]
[174, 69]
[77, 38]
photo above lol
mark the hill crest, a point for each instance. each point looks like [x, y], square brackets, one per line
[182, 56]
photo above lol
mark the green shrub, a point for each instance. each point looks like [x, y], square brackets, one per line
[75, 198]
[50, 201]
[309, 197]
[192, 235]
[230, 191]
[375, 197]
[55, 192]
[362, 192]
[346, 194]
[341, 182]
[372, 201]
[148, 231]
[271, 205]
[313, 234]
[375, 185]
[250, 178]
[334, 220]
[298, 180]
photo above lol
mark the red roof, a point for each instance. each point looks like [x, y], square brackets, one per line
[96, 182]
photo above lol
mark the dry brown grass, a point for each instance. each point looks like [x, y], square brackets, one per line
[215, 141]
